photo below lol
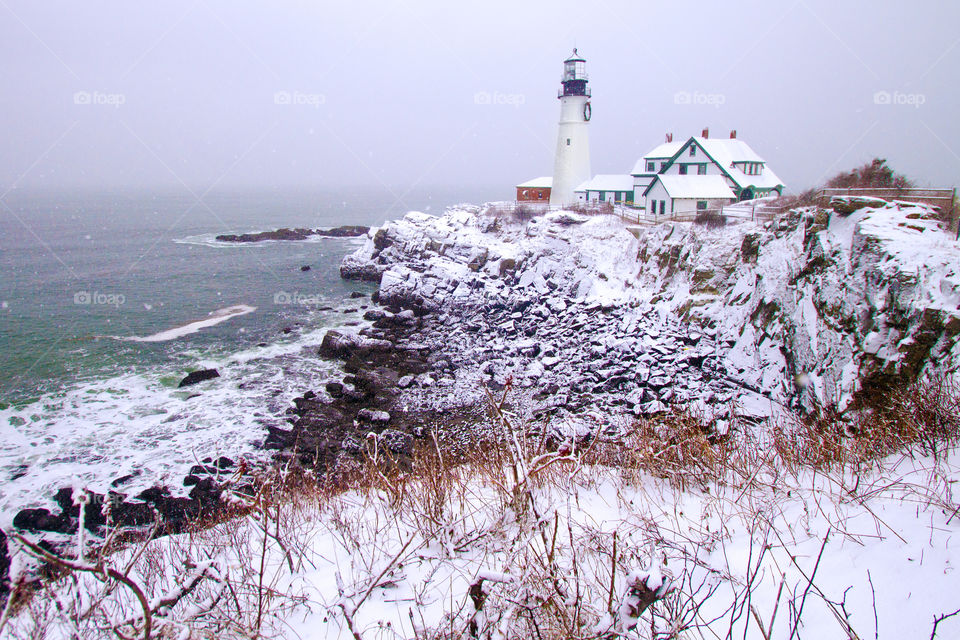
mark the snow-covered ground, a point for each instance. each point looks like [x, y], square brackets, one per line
[556, 548]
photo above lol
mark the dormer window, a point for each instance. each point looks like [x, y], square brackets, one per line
[651, 165]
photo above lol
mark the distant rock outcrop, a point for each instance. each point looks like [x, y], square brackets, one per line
[346, 231]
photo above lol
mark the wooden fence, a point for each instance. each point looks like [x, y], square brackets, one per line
[748, 210]
[942, 198]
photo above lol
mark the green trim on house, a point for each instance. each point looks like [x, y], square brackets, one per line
[739, 187]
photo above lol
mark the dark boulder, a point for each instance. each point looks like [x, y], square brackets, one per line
[4, 564]
[198, 376]
[397, 442]
[41, 520]
[341, 345]
[335, 389]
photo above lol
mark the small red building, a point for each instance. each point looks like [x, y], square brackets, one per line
[536, 190]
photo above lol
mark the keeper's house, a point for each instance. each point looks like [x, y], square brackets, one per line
[536, 190]
[675, 194]
[606, 188]
[702, 159]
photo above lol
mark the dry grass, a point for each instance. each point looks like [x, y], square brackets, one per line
[503, 521]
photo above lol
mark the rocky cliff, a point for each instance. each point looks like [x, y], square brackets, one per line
[822, 303]
[551, 305]
[807, 310]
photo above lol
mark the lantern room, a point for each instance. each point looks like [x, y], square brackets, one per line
[574, 77]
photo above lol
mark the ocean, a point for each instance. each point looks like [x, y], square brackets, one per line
[107, 300]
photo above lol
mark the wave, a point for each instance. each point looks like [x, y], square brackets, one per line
[215, 317]
[141, 424]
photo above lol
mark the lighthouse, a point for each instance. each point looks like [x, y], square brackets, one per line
[571, 165]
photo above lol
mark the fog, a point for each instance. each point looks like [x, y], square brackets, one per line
[219, 94]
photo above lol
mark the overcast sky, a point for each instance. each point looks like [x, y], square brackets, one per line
[225, 93]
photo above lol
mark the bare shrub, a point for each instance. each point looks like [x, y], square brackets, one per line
[676, 446]
[710, 219]
[922, 417]
[592, 208]
[875, 173]
[525, 212]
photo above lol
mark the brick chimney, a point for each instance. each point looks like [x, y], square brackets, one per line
[705, 133]
[733, 134]
[669, 137]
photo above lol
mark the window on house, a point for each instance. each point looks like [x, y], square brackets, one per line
[651, 166]
[568, 142]
[602, 196]
[663, 165]
[701, 169]
[693, 150]
[701, 205]
[540, 195]
[683, 169]
[663, 207]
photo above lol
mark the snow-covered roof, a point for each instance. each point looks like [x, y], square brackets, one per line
[727, 151]
[663, 151]
[607, 182]
[703, 187]
[544, 182]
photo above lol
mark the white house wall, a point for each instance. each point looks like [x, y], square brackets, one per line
[656, 193]
[689, 205]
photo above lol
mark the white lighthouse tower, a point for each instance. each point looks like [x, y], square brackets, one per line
[571, 166]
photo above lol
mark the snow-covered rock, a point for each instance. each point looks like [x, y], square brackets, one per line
[819, 304]
[548, 304]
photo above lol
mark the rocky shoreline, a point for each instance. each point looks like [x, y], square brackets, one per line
[470, 302]
[467, 303]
